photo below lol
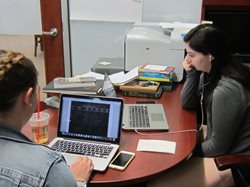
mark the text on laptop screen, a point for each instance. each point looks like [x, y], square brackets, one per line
[90, 118]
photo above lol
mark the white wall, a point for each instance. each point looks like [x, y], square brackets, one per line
[19, 21]
[20, 17]
[98, 28]
[108, 10]
[186, 11]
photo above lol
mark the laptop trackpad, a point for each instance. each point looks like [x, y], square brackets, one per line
[70, 158]
[99, 163]
[157, 117]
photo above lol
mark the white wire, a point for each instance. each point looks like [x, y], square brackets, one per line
[202, 113]
[173, 132]
[183, 131]
[201, 102]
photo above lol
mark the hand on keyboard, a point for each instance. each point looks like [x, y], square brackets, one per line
[82, 168]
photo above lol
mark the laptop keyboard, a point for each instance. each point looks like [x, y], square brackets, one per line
[87, 149]
[139, 116]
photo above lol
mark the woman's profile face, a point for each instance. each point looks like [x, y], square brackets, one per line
[198, 60]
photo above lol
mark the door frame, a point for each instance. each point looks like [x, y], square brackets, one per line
[51, 17]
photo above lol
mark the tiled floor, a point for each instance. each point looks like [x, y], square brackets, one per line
[25, 45]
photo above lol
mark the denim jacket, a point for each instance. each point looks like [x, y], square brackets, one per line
[26, 164]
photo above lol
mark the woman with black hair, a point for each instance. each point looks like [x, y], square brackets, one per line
[220, 85]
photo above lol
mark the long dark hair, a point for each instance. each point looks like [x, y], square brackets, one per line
[210, 39]
[17, 74]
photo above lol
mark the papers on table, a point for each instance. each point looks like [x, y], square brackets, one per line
[119, 78]
[162, 146]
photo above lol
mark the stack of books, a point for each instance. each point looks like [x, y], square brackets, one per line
[137, 88]
[163, 74]
[83, 85]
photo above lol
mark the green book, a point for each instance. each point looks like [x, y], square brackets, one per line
[154, 79]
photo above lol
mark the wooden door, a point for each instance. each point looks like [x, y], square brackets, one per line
[53, 46]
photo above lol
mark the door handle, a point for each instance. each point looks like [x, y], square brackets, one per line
[52, 32]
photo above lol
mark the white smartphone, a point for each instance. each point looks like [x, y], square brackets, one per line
[122, 160]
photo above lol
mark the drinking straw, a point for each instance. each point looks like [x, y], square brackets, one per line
[38, 102]
[38, 112]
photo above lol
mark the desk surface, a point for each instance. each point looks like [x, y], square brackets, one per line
[145, 164]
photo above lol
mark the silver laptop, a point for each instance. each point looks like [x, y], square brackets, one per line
[89, 125]
[147, 117]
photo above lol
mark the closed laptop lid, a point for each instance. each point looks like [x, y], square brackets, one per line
[89, 117]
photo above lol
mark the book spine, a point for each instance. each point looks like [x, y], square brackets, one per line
[141, 88]
[138, 90]
[75, 85]
[166, 71]
[71, 82]
[147, 86]
[154, 79]
[154, 95]
[155, 74]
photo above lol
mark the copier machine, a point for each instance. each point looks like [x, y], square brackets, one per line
[158, 44]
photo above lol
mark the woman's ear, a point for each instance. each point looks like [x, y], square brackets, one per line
[28, 97]
[211, 57]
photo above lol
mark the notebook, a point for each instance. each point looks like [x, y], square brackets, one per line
[79, 90]
[144, 117]
[88, 123]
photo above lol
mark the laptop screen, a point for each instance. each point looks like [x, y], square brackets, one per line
[90, 117]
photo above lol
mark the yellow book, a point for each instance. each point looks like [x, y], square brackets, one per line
[154, 79]
[137, 85]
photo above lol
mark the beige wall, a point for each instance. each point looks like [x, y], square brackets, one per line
[25, 45]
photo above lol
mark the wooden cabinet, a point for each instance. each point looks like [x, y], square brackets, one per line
[224, 4]
[233, 17]
[227, 2]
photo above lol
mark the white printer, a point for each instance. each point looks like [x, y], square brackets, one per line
[156, 43]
